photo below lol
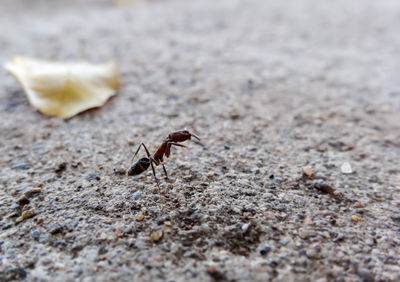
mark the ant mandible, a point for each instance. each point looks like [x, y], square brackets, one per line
[173, 139]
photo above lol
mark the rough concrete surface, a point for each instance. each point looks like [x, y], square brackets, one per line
[272, 88]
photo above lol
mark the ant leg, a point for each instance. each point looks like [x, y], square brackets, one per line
[147, 151]
[177, 144]
[152, 167]
[168, 148]
[137, 151]
[151, 163]
[166, 176]
[165, 171]
[155, 177]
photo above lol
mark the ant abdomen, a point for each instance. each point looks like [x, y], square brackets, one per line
[140, 166]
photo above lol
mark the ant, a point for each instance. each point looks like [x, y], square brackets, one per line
[173, 139]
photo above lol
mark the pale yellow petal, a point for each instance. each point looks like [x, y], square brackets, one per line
[64, 89]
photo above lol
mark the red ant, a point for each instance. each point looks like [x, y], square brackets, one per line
[143, 164]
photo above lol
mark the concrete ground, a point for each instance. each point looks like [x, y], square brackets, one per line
[271, 87]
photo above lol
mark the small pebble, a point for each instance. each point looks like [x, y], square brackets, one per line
[120, 170]
[23, 200]
[276, 180]
[60, 167]
[7, 225]
[20, 166]
[26, 214]
[326, 188]
[59, 243]
[137, 195]
[35, 235]
[303, 233]
[245, 227]
[76, 248]
[312, 254]
[128, 230]
[236, 210]
[365, 275]
[160, 221]
[302, 252]
[157, 235]
[210, 176]
[102, 250]
[43, 239]
[354, 218]
[318, 248]
[283, 242]
[319, 175]
[91, 177]
[140, 217]
[10, 270]
[55, 228]
[32, 191]
[307, 171]
[212, 270]
[117, 234]
[346, 168]
[308, 221]
[22, 273]
[265, 250]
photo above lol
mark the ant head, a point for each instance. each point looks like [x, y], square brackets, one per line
[185, 131]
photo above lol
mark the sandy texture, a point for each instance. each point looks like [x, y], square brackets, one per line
[272, 87]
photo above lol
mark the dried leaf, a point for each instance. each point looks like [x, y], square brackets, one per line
[64, 89]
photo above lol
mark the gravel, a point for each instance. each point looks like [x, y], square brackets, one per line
[271, 88]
